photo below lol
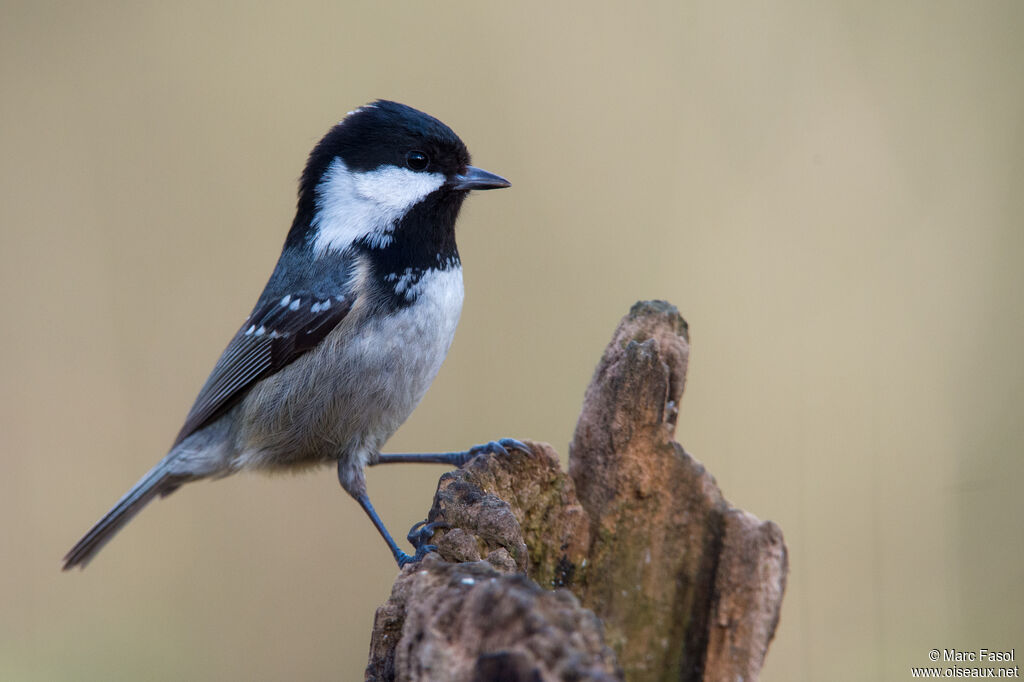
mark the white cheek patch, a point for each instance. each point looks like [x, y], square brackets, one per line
[353, 205]
[396, 188]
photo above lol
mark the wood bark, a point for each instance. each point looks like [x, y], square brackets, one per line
[630, 566]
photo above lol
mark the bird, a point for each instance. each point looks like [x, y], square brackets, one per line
[349, 331]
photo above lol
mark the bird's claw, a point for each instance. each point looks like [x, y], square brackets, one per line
[418, 536]
[423, 531]
[498, 447]
[404, 559]
[513, 444]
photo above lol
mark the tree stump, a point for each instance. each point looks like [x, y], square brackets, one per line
[631, 566]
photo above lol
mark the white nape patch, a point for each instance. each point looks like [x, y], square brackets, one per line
[358, 109]
[352, 205]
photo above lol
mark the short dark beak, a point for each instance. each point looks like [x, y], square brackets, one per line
[478, 178]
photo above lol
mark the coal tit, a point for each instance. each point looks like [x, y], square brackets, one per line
[349, 331]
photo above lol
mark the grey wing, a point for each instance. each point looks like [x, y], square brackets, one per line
[274, 335]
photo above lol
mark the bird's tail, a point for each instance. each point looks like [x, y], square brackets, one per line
[159, 481]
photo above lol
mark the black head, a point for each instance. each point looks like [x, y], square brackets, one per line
[389, 133]
[388, 153]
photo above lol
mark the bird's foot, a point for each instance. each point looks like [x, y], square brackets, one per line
[418, 536]
[494, 447]
[423, 531]
[404, 559]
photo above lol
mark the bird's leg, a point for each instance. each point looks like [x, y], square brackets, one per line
[458, 459]
[352, 480]
[423, 531]
[401, 558]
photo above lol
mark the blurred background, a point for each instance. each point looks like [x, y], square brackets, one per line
[831, 193]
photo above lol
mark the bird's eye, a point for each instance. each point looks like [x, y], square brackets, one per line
[416, 160]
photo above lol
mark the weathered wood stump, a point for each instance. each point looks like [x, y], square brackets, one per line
[631, 566]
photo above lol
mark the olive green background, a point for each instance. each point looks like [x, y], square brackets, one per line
[831, 193]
